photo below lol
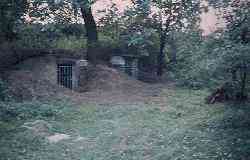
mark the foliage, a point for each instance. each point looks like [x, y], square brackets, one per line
[14, 111]
[236, 16]
[71, 43]
[218, 59]
[34, 36]
[70, 36]
[110, 22]
[144, 26]
[173, 16]
[235, 49]
[10, 13]
[59, 12]
[131, 32]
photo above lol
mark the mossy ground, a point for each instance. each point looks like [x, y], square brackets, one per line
[182, 127]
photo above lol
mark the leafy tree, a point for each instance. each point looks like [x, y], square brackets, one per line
[235, 51]
[50, 11]
[130, 29]
[137, 33]
[10, 13]
[111, 23]
[141, 22]
[236, 14]
[173, 15]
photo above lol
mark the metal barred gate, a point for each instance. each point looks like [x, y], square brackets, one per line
[65, 75]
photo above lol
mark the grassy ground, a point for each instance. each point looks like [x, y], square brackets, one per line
[181, 127]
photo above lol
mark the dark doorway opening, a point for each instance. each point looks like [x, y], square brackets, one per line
[65, 75]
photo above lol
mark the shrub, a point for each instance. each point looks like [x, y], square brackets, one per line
[51, 36]
[30, 110]
[70, 43]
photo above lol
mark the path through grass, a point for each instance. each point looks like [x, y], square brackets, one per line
[182, 127]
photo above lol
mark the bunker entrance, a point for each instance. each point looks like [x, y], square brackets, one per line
[65, 75]
[72, 73]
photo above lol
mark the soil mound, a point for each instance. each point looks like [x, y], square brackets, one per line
[24, 85]
[105, 85]
[102, 77]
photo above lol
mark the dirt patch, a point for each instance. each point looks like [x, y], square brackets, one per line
[102, 77]
[110, 86]
[58, 137]
[38, 127]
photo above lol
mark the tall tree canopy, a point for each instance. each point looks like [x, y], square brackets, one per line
[173, 15]
[237, 17]
[144, 20]
[234, 51]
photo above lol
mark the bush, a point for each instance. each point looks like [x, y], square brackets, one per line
[70, 43]
[51, 36]
[30, 110]
[34, 36]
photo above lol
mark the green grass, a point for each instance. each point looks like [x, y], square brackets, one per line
[184, 128]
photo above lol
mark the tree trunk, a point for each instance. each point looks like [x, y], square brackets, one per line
[234, 74]
[91, 29]
[163, 39]
[161, 56]
[173, 50]
[243, 95]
